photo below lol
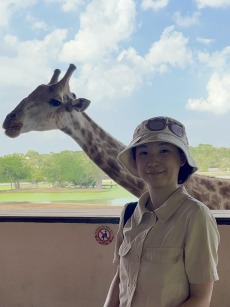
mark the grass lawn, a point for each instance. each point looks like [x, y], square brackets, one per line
[115, 196]
[216, 174]
[45, 195]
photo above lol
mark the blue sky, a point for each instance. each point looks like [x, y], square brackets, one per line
[135, 59]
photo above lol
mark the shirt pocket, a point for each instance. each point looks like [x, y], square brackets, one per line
[161, 255]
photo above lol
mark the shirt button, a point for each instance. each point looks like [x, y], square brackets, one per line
[136, 258]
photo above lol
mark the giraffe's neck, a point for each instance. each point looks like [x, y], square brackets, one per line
[213, 192]
[103, 150]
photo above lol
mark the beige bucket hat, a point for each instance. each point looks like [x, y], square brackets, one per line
[163, 129]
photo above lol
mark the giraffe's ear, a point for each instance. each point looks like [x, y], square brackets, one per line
[80, 104]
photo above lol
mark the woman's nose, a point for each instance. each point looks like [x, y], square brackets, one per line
[153, 160]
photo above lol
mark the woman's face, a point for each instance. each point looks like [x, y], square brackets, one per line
[158, 164]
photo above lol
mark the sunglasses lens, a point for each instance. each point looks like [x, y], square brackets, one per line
[177, 129]
[156, 124]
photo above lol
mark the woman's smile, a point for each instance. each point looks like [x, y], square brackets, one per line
[154, 172]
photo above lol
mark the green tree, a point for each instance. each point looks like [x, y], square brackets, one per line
[50, 169]
[92, 172]
[35, 162]
[13, 168]
[70, 167]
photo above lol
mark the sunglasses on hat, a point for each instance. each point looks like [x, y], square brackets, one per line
[160, 123]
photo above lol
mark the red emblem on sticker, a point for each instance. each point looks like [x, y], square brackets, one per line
[104, 235]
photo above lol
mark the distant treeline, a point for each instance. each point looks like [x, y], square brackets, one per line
[76, 169]
[59, 169]
[208, 157]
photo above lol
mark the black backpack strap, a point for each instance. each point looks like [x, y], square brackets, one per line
[129, 211]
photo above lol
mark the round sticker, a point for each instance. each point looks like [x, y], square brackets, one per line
[104, 235]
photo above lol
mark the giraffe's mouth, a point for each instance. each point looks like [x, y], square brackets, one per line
[13, 131]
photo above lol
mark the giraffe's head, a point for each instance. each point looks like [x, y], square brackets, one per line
[41, 110]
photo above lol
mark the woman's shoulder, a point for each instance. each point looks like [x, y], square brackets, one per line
[199, 211]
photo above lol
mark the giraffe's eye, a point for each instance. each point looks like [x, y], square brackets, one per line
[55, 102]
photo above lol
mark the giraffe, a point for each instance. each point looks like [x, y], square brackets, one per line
[53, 106]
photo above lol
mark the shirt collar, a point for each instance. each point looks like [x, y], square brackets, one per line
[172, 204]
[165, 211]
[141, 208]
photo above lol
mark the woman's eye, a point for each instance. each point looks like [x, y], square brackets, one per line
[142, 153]
[164, 151]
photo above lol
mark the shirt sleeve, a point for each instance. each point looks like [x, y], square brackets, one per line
[119, 237]
[201, 248]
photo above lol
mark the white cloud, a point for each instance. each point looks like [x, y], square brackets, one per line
[71, 5]
[36, 24]
[170, 50]
[186, 21]
[212, 3]
[68, 5]
[30, 58]
[154, 4]
[123, 77]
[205, 41]
[105, 83]
[131, 58]
[9, 7]
[100, 32]
[5, 14]
[218, 100]
[218, 60]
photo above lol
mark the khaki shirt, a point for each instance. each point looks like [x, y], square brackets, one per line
[162, 252]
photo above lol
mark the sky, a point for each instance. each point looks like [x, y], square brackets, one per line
[135, 60]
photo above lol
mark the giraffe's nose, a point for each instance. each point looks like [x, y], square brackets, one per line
[11, 116]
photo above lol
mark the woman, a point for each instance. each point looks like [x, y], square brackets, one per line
[166, 253]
